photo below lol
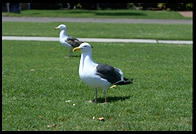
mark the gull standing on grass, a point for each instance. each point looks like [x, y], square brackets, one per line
[67, 40]
[98, 75]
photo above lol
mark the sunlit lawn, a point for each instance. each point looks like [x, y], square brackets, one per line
[38, 79]
[101, 30]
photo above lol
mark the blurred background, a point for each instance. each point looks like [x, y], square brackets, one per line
[17, 7]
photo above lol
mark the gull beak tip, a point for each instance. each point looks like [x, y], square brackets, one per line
[76, 49]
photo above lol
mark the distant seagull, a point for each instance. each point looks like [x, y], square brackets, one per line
[67, 40]
[98, 75]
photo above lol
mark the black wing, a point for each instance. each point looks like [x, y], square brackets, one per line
[109, 73]
[73, 41]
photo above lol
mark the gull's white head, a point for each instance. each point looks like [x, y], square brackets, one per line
[61, 27]
[84, 47]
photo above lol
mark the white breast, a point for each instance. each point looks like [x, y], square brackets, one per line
[93, 80]
[62, 41]
[87, 73]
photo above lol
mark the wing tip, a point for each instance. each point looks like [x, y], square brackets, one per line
[125, 82]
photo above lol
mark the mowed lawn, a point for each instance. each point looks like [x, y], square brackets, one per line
[101, 30]
[38, 79]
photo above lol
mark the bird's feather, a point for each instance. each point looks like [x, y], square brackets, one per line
[74, 42]
[109, 73]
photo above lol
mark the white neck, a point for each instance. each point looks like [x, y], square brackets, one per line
[63, 33]
[86, 60]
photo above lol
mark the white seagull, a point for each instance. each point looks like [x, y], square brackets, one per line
[98, 75]
[67, 40]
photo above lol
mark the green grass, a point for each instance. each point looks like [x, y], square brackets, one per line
[37, 79]
[136, 14]
[101, 30]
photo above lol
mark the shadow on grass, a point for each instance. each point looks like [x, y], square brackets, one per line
[107, 13]
[80, 11]
[112, 99]
[73, 56]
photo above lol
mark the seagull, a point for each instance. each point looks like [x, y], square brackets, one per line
[98, 75]
[66, 40]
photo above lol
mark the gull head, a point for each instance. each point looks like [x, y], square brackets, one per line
[84, 47]
[61, 27]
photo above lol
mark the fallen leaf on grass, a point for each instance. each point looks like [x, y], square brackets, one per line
[52, 125]
[40, 117]
[101, 119]
[68, 101]
[32, 70]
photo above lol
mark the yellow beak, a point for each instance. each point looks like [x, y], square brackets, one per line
[56, 28]
[76, 49]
